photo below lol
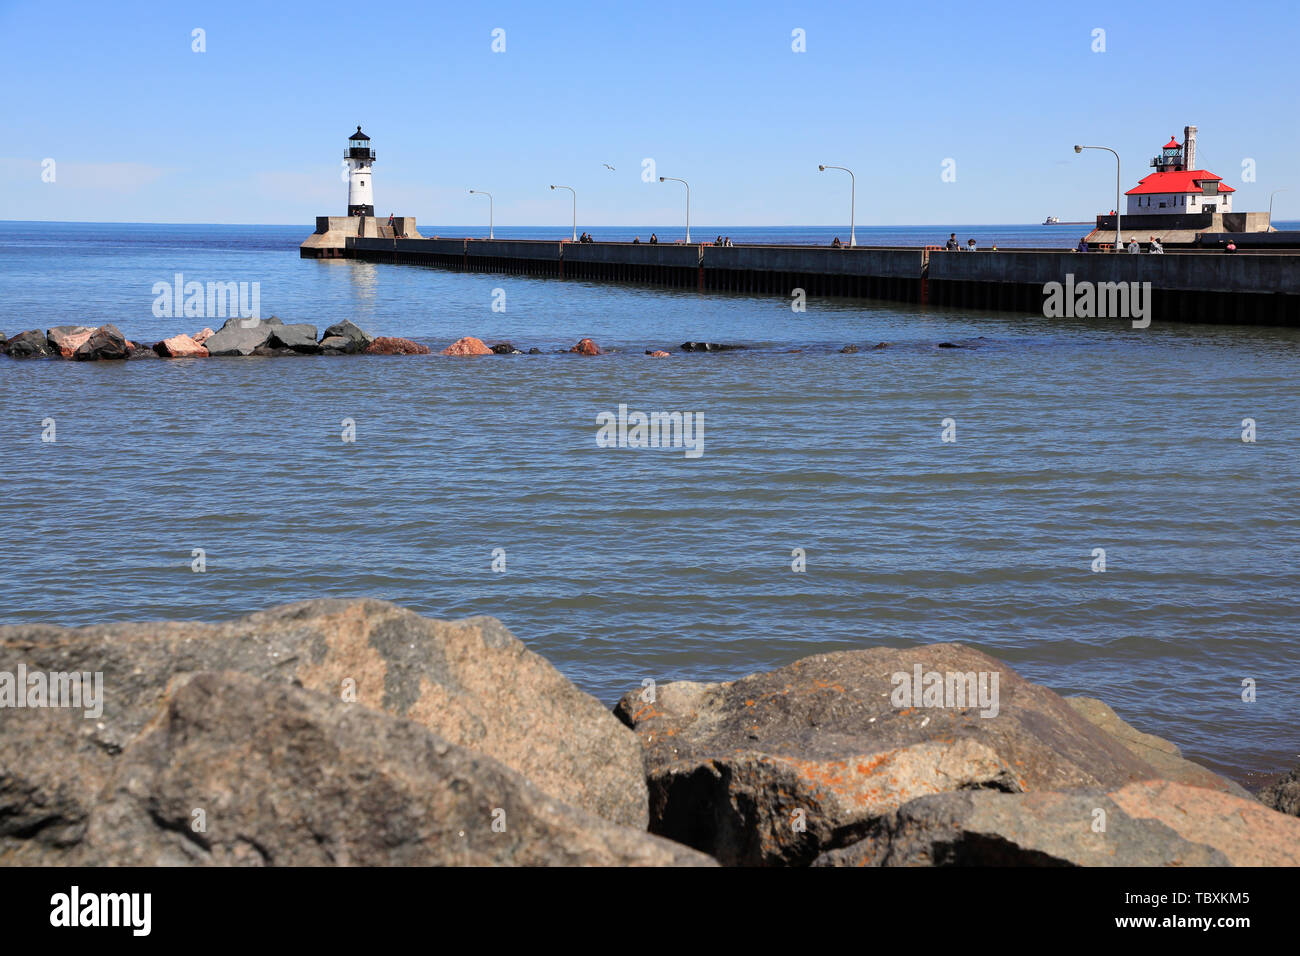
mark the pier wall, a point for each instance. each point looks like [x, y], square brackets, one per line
[1259, 288]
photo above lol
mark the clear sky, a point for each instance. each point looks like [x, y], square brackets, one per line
[142, 128]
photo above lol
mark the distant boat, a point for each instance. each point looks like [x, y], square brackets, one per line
[1051, 220]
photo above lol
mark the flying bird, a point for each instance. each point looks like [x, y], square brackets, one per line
[608, 166]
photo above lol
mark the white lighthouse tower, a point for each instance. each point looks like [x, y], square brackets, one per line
[360, 158]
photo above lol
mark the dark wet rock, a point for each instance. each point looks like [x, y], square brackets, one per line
[105, 343]
[388, 345]
[534, 351]
[300, 338]
[1159, 753]
[848, 350]
[506, 348]
[468, 681]
[880, 345]
[1150, 823]
[948, 345]
[4, 344]
[234, 339]
[1283, 796]
[288, 777]
[64, 340]
[30, 344]
[708, 347]
[354, 334]
[587, 347]
[142, 351]
[780, 767]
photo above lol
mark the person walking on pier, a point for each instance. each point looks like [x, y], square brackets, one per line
[1083, 244]
[654, 240]
[970, 246]
[636, 240]
[1156, 249]
[1133, 246]
[953, 245]
[837, 244]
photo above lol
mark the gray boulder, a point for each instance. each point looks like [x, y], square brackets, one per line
[30, 344]
[233, 339]
[337, 345]
[1150, 823]
[777, 768]
[298, 338]
[239, 771]
[471, 682]
[357, 338]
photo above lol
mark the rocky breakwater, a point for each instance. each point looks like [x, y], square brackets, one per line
[936, 755]
[325, 732]
[237, 337]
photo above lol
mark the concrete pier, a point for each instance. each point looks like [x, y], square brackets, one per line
[1261, 288]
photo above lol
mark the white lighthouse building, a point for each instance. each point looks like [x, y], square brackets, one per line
[360, 159]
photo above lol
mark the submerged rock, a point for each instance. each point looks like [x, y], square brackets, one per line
[288, 777]
[1150, 823]
[848, 350]
[534, 351]
[389, 345]
[470, 681]
[30, 344]
[659, 353]
[505, 348]
[828, 743]
[64, 340]
[587, 347]
[105, 343]
[708, 347]
[180, 346]
[467, 345]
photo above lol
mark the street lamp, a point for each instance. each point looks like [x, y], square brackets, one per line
[665, 179]
[575, 209]
[1270, 203]
[853, 201]
[1119, 238]
[491, 214]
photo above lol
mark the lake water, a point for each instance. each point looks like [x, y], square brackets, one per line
[624, 563]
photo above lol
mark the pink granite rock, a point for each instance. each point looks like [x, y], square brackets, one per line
[467, 346]
[180, 346]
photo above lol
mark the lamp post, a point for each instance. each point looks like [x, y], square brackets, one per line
[1270, 204]
[1119, 238]
[491, 214]
[575, 209]
[853, 201]
[667, 179]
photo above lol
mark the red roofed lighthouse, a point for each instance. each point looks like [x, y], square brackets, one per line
[1177, 187]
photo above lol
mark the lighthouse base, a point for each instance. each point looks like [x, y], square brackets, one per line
[361, 210]
[332, 233]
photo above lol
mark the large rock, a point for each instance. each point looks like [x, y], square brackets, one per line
[389, 345]
[587, 347]
[708, 347]
[353, 334]
[779, 767]
[30, 344]
[1155, 751]
[1284, 795]
[234, 339]
[1151, 823]
[299, 338]
[467, 345]
[281, 776]
[469, 681]
[4, 344]
[180, 346]
[203, 335]
[64, 340]
[105, 343]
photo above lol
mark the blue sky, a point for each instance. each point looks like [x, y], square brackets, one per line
[141, 128]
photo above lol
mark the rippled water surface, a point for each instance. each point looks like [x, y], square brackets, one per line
[625, 563]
